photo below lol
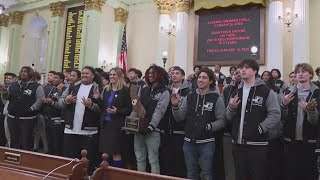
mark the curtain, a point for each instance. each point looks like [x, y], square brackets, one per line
[210, 4]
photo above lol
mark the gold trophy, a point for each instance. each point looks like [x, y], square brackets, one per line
[132, 124]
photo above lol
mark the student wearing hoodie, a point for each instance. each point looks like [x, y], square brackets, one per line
[176, 163]
[299, 111]
[253, 111]
[155, 99]
[203, 112]
[24, 103]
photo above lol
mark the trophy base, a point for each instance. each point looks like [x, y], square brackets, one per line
[130, 129]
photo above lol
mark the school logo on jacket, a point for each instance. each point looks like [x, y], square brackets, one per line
[257, 101]
[157, 96]
[27, 92]
[208, 106]
[55, 95]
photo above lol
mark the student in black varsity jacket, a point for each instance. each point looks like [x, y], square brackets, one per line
[52, 115]
[203, 112]
[228, 91]
[253, 111]
[300, 114]
[24, 103]
[83, 106]
[175, 162]
[155, 99]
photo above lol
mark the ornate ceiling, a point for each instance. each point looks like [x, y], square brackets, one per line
[8, 3]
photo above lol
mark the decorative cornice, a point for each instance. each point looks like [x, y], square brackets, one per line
[57, 8]
[165, 6]
[4, 20]
[94, 4]
[121, 15]
[183, 5]
[16, 17]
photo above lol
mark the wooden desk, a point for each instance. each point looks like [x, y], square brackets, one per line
[34, 166]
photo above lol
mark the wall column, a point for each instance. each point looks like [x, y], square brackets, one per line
[301, 50]
[14, 42]
[181, 43]
[4, 40]
[164, 7]
[90, 37]
[54, 49]
[275, 36]
[121, 16]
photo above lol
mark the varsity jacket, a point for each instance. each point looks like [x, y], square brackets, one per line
[311, 118]
[178, 127]
[91, 115]
[200, 112]
[280, 84]
[60, 103]
[277, 131]
[52, 111]
[262, 113]
[24, 100]
[157, 105]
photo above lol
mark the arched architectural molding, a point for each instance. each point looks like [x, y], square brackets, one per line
[35, 43]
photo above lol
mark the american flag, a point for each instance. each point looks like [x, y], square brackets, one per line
[123, 55]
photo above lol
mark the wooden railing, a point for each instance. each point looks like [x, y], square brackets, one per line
[25, 165]
[106, 172]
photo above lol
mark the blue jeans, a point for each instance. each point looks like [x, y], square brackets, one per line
[197, 155]
[147, 145]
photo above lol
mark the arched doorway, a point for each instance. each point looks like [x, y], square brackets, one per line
[35, 44]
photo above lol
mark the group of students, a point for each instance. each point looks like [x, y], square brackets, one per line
[257, 128]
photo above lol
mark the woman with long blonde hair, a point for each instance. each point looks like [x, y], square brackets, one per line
[117, 105]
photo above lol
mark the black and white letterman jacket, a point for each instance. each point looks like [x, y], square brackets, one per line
[262, 113]
[203, 114]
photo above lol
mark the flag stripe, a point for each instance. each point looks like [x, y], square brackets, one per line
[123, 55]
